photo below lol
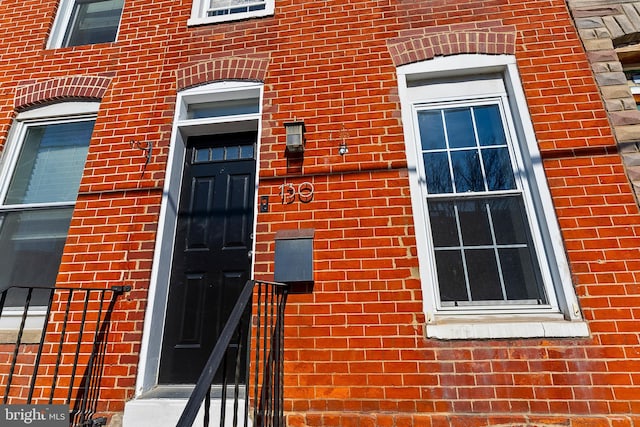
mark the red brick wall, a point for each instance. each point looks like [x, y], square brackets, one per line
[355, 348]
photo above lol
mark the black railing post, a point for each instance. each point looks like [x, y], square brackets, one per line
[188, 416]
[266, 334]
[40, 347]
[84, 398]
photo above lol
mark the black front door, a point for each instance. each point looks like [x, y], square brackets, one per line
[212, 250]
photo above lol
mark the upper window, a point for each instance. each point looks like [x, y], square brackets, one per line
[40, 176]
[81, 22]
[210, 11]
[492, 264]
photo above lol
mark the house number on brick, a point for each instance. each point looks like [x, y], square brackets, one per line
[304, 193]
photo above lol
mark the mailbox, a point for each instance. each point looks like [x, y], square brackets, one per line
[294, 257]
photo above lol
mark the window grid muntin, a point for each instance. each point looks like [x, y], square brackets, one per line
[478, 148]
[494, 246]
[544, 298]
[231, 8]
[223, 153]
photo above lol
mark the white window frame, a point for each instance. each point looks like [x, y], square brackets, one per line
[183, 128]
[199, 13]
[62, 22]
[51, 114]
[473, 78]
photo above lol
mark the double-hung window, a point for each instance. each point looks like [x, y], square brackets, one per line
[481, 235]
[82, 22]
[491, 259]
[40, 175]
[210, 11]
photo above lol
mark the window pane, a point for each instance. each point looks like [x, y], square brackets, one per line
[484, 279]
[201, 155]
[217, 153]
[233, 153]
[489, 124]
[495, 237]
[225, 7]
[223, 108]
[467, 171]
[451, 279]
[474, 222]
[444, 228]
[460, 128]
[31, 244]
[521, 273]
[497, 167]
[50, 164]
[509, 220]
[436, 167]
[431, 130]
[17, 297]
[246, 152]
[93, 22]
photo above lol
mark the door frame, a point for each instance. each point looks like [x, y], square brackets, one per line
[183, 128]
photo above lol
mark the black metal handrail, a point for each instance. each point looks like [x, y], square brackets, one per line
[62, 363]
[262, 338]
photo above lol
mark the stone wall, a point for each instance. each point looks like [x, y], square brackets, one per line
[605, 25]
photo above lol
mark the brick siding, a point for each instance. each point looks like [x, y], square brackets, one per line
[355, 349]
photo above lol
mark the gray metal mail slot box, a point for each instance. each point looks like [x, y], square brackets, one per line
[294, 256]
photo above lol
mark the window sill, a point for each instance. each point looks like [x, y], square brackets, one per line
[57, 48]
[10, 326]
[463, 329]
[29, 336]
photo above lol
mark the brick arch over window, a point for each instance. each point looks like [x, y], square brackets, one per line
[61, 89]
[232, 68]
[427, 43]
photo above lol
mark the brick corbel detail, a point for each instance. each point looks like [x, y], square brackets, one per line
[420, 45]
[252, 68]
[60, 89]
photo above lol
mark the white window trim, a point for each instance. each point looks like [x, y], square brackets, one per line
[562, 318]
[199, 7]
[183, 128]
[55, 113]
[61, 23]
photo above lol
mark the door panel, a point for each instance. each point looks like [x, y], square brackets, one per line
[197, 233]
[236, 235]
[211, 258]
[192, 307]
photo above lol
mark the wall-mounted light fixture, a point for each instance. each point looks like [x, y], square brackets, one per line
[295, 136]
